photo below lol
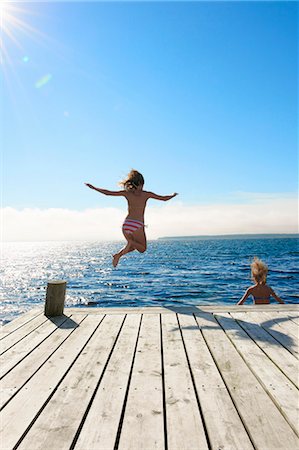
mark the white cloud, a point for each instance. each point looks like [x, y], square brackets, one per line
[262, 215]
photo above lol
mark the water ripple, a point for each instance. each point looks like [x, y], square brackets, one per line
[170, 272]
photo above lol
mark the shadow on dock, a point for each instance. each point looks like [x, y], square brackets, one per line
[67, 323]
[229, 323]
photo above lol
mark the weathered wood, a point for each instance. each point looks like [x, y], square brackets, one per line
[279, 388]
[21, 333]
[184, 309]
[18, 322]
[21, 349]
[55, 298]
[108, 402]
[21, 373]
[284, 360]
[74, 393]
[224, 426]
[22, 409]
[292, 316]
[185, 429]
[146, 383]
[68, 384]
[264, 423]
[277, 331]
[284, 322]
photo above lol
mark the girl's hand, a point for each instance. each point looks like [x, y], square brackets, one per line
[175, 194]
[89, 185]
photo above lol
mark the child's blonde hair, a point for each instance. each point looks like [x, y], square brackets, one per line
[259, 271]
[132, 181]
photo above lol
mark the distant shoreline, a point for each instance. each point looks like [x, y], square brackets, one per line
[231, 236]
[172, 238]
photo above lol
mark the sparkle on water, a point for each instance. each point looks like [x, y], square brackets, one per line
[170, 273]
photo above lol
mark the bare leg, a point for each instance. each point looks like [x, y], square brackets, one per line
[127, 249]
[138, 246]
[139, 240]
[136, 241]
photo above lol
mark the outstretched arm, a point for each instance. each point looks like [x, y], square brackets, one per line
[164, 198]
[105, 191]
[278, 299]
[245, 296]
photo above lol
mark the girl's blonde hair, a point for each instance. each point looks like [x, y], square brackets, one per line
[132, 181]
[259, 271]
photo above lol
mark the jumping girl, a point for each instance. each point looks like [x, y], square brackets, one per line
[133, 226]
[261, 292]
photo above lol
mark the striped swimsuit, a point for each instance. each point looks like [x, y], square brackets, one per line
[131, 225]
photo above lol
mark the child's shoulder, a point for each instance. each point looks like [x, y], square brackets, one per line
[147, 194]
[251, 288]
[268, 288]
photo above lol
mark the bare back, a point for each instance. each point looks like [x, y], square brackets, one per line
[136, 204]
[261, 294]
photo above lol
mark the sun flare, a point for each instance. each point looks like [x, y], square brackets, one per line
[10, 23]
[18, 34]
[14, 26]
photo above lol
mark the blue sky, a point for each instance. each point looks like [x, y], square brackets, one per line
[200, 97]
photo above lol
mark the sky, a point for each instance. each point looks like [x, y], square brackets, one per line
[200, 97]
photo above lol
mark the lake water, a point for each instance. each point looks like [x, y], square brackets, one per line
[171, 272]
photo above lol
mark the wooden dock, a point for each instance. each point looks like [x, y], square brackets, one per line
[193, 378]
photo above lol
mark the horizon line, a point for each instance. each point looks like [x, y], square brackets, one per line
[233, 235]
[202, 236]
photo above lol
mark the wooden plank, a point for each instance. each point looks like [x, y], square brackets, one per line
[285, 319]
[21, 373]
[15, 324]
[21, 333]
[24, 347]
[235, 307]
[18, 414]
[252, 307]
[224, 426]
[66, 408]
[279, 388]
[285, 323]
[277, 332]
[106, 408]
[144, 408]
[181, 309]
[185, 429]
[287, 363]
[264, 423]
[293, 317]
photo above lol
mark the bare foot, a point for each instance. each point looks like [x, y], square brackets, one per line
[115, 260]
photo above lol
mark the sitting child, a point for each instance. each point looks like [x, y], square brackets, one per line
[261, 292]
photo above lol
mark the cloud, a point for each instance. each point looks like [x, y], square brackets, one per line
[263, 215]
